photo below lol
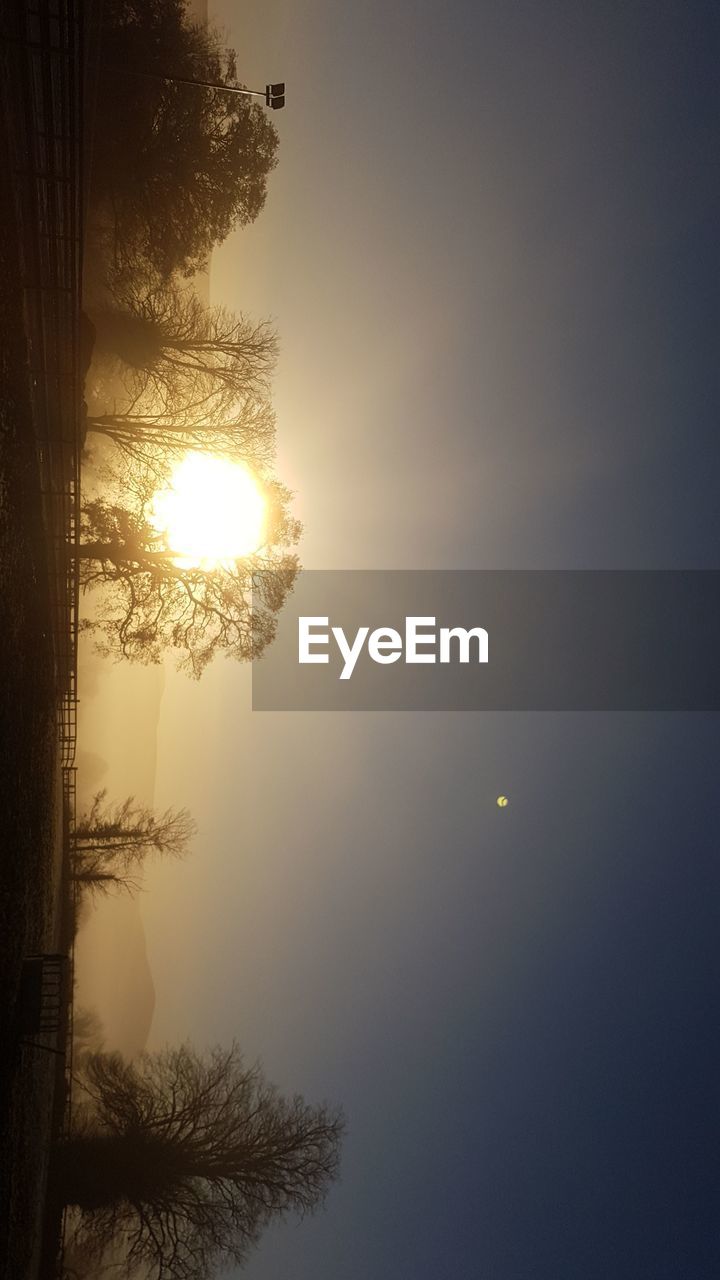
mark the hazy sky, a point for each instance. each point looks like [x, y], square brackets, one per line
[490, 248]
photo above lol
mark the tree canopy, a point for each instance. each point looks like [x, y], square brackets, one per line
[187, 1157]
[178, 166]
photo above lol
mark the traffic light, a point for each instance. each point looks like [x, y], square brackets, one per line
[275, 96]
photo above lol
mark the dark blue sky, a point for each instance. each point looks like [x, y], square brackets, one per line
[491, 250]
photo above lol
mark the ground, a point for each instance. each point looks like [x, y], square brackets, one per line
[29, 782]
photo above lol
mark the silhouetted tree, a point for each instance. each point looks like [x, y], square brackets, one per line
[177, 166]
[190, 378]
[88, 1036]
[187, 1158]
[153, 601]
[154, 440]
[127, 831]
[181, 357]
[94, 876]
[112, 841]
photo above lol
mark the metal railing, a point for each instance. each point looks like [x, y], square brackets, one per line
[43, 83]
[42, 80]
[69, 817]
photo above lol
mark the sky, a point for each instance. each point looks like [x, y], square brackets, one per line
[489, 248]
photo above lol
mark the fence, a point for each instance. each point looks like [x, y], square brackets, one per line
[43, 84]
[42, 81]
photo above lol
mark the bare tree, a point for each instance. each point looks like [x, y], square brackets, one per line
[179, 356]
[188, 377]
[88, 1036]
[188, 1157]
[92, 874]
[112, 842]
[128, 832]
[152, 600]
[153, 440]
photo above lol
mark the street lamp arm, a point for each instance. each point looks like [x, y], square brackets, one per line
[203, 84]
[274, 94]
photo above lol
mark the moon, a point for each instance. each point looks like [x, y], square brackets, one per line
[502, 802]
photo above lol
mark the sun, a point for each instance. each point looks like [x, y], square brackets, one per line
[212, 513]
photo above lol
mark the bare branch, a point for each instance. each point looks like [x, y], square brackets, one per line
[188, 1157]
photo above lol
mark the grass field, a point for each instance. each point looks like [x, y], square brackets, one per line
[28, 785]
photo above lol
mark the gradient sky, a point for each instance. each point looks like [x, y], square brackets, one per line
[490, 248]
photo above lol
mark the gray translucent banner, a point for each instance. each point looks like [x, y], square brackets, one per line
[553, 641]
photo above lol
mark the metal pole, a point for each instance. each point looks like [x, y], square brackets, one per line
[204, 84]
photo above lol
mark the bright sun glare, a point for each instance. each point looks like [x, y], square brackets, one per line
[212, 513]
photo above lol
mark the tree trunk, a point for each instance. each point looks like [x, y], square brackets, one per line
[97, 551]
[96, 1171]
[136, 341]
[123, 554]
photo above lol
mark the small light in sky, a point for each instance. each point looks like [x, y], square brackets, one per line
[502, 802]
